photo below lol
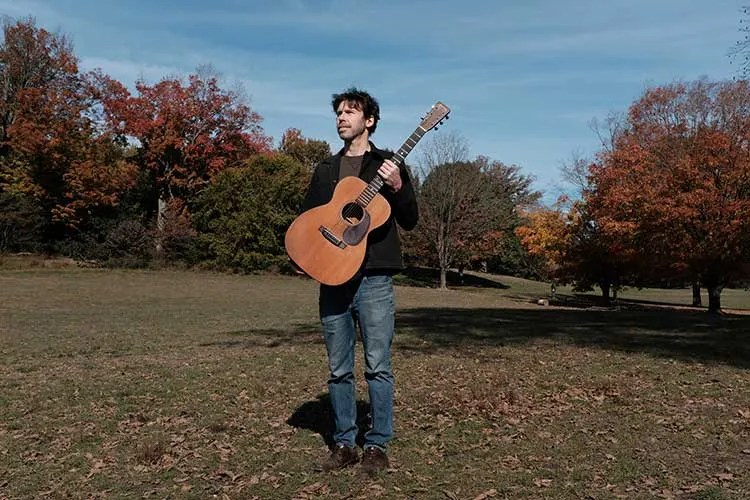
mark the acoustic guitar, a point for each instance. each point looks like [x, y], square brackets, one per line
[328, 242]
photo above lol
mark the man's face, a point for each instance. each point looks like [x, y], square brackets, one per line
[350, 121]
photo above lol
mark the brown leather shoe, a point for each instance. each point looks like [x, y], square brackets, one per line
[341, 456]
[374, 460]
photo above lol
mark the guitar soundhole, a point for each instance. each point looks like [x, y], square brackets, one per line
[352, 213]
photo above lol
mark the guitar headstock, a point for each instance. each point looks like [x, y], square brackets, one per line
[435, 116]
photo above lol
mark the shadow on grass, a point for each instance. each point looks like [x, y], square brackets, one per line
[317, 416]
[269, 337]
[430, 278]
[691, 335]
[687, 335]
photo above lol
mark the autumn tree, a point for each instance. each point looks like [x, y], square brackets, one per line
[30, 58]
[309, 152]
[677, 183]
[544, 234]
[50, 151]
[466, 207]
[574, 250]
[35, 66]
[186, 132]
[595, 256]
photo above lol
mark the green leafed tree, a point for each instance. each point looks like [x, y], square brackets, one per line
[243, 215]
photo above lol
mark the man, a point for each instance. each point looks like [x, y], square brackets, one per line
[367, 299]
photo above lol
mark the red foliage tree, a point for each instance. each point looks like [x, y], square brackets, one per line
[50, 149]
[186, 133]
[676, 185]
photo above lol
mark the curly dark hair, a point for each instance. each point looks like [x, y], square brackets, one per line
[360, 100]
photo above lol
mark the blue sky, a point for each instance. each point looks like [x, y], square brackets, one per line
[524, 78]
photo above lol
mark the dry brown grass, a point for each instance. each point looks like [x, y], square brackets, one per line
[135, 384]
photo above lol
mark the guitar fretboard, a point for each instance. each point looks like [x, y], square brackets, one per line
[398, 158]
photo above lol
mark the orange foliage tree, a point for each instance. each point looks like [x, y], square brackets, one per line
[544, 234]
[675, 188]
[573, 248]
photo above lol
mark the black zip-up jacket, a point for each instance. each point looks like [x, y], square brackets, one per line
[383, 254]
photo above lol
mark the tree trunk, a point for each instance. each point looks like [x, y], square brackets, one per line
[160, 222]
[443, 278]
[714, 299]
[605, 292]
[697, 302]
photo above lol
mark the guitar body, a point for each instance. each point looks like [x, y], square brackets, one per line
[329, 242]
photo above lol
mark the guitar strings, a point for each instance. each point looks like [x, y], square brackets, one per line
[368, 194]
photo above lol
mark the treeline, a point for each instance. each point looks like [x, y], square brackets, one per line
[91, 171]
[665, 202]
[181, 171]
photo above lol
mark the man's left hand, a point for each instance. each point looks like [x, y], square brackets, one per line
[391, 175]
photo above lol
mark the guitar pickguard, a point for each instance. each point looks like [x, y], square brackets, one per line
[355, 233]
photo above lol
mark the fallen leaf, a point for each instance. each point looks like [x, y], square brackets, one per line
[486, 494]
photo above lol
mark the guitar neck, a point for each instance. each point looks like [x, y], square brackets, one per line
[398, 158]
[407, 146]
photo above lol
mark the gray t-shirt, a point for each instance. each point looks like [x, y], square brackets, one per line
[350, 166]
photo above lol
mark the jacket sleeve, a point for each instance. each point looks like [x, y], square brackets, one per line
[404, 202]
[313, 198]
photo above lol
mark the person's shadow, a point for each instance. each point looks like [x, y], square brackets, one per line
[317, 416]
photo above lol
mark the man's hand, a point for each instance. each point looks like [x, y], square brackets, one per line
[391, 175]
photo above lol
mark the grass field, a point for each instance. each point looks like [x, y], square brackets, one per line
[167, 384]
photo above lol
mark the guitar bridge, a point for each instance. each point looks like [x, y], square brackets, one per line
[327, 234]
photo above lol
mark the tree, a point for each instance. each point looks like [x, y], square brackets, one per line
[309, 152]
[677, 183]
[244, 214]
[30, 58]
[512, 195]
[741, 50]
[466, 207]
[50, 152]
[544, 234]
[186, 134]
[21, 223]
[574, 249]
[594, 256]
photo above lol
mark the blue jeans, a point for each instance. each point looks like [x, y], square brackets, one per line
[368, 302]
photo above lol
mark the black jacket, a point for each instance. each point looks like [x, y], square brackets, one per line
[383, 253]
